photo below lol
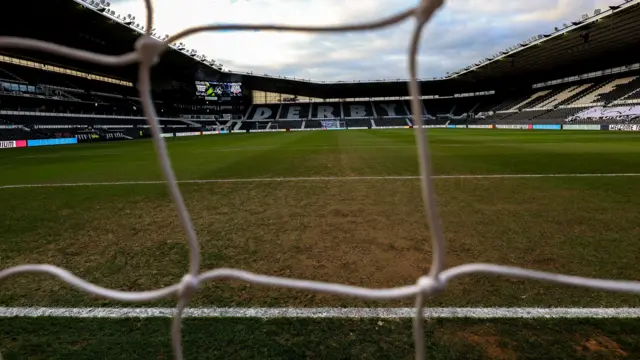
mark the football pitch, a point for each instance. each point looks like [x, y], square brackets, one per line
[337, 206]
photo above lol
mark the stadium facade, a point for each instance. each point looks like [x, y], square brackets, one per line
[585, 74]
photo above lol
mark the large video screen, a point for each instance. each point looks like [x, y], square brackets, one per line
[219, 91]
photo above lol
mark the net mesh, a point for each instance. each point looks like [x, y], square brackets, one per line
[148, 52]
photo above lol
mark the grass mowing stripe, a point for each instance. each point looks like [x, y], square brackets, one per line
[319, 178]
[353, 313]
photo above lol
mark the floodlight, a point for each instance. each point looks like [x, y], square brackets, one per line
[597, 12]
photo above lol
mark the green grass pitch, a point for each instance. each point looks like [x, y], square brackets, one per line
[369, 232]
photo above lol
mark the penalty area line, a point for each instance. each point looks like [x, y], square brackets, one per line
[318, 178]
[332, 313]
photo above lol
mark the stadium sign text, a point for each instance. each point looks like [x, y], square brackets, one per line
[517, 126]
[624, 127]
[187, 134]
[581, 127]
[7, 144]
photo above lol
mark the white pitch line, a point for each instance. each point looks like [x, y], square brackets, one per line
[318, 178]
[333, 313]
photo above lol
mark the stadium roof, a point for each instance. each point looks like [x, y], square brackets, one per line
[602, 41]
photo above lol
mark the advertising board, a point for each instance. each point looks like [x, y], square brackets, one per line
[581, 127]
[187, 133]
[512, 126]
[625, 127]
[49, 142]
[13, 144]
[547, 127]
[7, 144]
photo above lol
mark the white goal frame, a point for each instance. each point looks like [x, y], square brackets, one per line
[148, 52]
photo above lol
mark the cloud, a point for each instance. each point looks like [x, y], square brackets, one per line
[463, 32]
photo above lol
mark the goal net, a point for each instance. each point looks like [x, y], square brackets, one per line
[262, 126]
[333, 124]
[148, 52]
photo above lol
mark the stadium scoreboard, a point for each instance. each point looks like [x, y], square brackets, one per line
[220, 92]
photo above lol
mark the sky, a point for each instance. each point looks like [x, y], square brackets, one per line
[461, 33]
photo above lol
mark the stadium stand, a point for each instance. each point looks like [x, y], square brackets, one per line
[554, 104]
[573, 78]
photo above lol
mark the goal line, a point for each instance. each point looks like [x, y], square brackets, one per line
[331, 313]
[319, 178]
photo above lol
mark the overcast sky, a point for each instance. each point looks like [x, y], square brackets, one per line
[462, 33]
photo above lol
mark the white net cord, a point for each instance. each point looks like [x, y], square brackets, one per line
[148, 52]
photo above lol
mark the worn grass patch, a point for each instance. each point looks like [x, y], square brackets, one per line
[371, 233]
